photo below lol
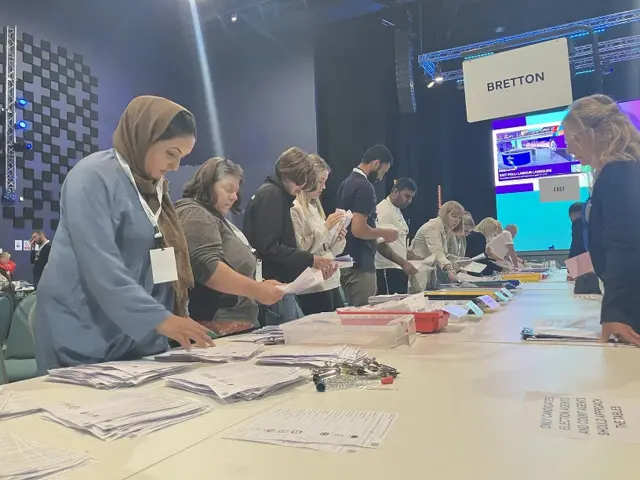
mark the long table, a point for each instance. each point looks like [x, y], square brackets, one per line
[459, 395]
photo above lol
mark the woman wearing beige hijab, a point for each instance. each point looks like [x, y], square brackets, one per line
[117, 281]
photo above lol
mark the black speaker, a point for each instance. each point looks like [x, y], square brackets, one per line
[405, 66]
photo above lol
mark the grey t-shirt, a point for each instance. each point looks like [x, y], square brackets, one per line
[211, 240]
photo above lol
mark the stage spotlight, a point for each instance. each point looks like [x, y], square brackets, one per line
[22, 125]
[22, 146]
[439, 79]
[234, 18]
[22, 102]
[431, 84]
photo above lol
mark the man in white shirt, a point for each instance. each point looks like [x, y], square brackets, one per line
[392, 277]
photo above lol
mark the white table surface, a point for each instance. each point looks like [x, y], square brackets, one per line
[459, 396]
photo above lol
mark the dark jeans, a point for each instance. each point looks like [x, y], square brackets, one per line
[392, 281]
[319, 302]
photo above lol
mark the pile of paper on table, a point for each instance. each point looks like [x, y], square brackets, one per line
[236, 381]
[23, 459]
[314, 356]
[15, 404]
[115, 374]
[129, 414]
[227, 352]
[326, 430]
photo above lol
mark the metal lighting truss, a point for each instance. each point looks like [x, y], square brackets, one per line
[10, 50]
[428, 61]
[611, 51]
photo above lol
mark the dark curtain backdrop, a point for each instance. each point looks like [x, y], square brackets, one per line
[357, 107]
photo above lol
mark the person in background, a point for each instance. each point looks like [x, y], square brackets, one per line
[224, 266]
[269, 228]
[103, 297]
[434, 239]
[480, 237]
[601, 136]
[391, 278]
[356, 193]
[459, 246]
[588, 283]
[40, 248]
[6, 264]
[501, 247]
[314, 234]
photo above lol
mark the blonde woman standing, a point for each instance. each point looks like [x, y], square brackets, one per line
[313, 234]
[435, 239]
[602, 137]
[485, 231]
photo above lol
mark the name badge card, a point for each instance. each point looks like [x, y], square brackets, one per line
[477, 311]
[163, 265]
[489, 302]
[502, 297]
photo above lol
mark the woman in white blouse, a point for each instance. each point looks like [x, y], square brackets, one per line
[434, 240]
[314, 234]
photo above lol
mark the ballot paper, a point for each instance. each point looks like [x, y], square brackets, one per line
[115, 374]
[306, 280]
[582, 417]
[315, 356]
[340, 431]
[579, 265]
[235, 381]
[474, 267]
[15, 404]
[344, 223]
[129, 414]
[227, 352]
[344, 261]
[23, 459]
[267, 335]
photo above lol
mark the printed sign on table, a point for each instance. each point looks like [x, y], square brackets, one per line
[17, 246]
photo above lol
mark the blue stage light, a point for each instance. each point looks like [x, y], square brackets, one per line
[22, 125]
[28, 146]
[22, 102]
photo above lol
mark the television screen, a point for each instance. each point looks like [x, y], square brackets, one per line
[529, 148]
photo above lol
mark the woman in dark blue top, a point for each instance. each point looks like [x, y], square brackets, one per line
[601, 136]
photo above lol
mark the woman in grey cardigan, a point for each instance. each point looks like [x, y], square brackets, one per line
[224, 265]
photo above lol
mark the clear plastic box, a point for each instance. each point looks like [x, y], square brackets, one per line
[372, 331]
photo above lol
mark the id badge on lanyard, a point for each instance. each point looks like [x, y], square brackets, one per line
[163, 259]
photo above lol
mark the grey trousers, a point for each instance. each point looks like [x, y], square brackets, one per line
[358, 286]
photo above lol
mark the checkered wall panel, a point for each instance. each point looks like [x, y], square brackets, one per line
[63, 127]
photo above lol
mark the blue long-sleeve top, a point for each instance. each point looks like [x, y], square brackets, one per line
[96, 299]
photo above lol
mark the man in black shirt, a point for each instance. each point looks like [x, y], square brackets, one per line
[40, 248]
[269, 229]
[356, 193]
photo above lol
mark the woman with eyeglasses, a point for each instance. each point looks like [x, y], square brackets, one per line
[602, 137]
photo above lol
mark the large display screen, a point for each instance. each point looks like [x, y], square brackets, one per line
[526, 149]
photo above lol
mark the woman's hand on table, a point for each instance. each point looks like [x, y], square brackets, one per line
[183, 330]
[267, 292]
[621, 331]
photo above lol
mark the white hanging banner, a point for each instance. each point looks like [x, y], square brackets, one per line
[524, 80]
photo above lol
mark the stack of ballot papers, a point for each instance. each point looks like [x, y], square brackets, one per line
[15, 404]
[344, 223]
[345, 261]
[115, 374]
[24, 460]
[317, 429]
[227, 352]
[234, 381]
[314, 356]
[267, 335]
[306, 280]
[130, 414]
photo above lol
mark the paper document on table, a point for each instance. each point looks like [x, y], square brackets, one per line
[125, 415]
[306, 280]
[316, 428]
[237, 381]
[23, 459]
[582, 417]
[474, 267]
[579, 265]
[227, 352]
[310, 355]
[15, 404]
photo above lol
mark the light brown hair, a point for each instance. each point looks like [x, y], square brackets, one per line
[319, 166]
[295, 165]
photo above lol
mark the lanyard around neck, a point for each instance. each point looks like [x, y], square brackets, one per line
[153, 217]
